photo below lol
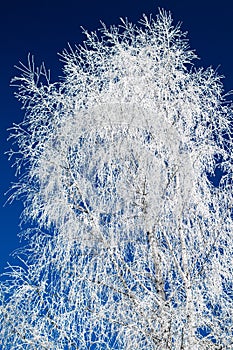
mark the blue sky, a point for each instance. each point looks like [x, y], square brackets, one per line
[44, 28]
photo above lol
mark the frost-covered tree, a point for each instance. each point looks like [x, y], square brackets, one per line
[130, 241]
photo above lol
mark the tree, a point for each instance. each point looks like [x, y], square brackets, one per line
[129, 238]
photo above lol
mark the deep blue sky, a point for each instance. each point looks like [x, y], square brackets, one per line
[44, 28]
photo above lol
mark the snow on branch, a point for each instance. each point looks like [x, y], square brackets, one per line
[131, 238]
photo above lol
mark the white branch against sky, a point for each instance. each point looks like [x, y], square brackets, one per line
[129, 241]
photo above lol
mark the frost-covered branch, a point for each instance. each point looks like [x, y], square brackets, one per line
[129, 241]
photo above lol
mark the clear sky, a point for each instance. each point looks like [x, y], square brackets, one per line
[44, 28]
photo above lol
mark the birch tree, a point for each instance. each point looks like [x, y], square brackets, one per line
[129, 239]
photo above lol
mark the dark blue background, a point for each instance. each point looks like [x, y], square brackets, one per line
[44, 28]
